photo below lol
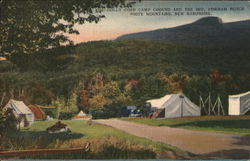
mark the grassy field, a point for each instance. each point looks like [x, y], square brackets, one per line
[105, 142]
[225, 124]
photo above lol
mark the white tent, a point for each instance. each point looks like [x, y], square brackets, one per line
[82, 116]
[175, 105]
[239, 104]
[81, 113]
[21, 112]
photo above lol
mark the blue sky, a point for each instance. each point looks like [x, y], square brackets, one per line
[122, 22]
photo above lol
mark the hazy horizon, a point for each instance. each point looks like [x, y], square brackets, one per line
[119, 23]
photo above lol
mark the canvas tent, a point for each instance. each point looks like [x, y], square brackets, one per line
[21, 112]
[239, 104]
[82, 116]
[174, 105]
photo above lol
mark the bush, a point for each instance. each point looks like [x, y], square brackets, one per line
[7, 66]
[52, 112]
[66, 115]
[7, 122]
[110, 111]
[8, 125]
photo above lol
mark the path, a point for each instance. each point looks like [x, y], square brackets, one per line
[198, 142]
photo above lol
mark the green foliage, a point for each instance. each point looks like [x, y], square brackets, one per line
[111, 90]
[72, 103]
[102, 140]
[29, 26]
[99, 101]
[55, 59]
[7, 123]
[108, 101]
[52, 112]
[7, 66]
[40, 94]
[197, 86]
[150, 87]
[66, 115]
[124, 73]
[65, 109]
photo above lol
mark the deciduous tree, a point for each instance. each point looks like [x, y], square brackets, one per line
[31, 25]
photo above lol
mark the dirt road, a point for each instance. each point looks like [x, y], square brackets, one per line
[203, 143]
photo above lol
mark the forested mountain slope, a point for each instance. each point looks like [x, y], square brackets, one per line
[111, 74]
[208, 31]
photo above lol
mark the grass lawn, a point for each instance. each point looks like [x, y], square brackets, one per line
[106, 142]
[225, 124]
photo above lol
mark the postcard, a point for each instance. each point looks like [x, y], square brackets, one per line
[130, 80]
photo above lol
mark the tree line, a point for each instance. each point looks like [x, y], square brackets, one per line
[104, 76]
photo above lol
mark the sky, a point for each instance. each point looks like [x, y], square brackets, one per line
[117, 23]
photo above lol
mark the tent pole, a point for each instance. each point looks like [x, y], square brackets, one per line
[202, 105]
[209, 103]
[218, 105]
[181, 97]
[181, 108]
[222, 109]
[214, 106]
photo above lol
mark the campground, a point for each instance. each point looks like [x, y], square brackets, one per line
[138, 138]
[104, 142]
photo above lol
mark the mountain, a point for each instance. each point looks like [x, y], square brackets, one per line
[208, 31]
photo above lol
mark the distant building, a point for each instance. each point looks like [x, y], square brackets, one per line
[24, 116]
[38, 112]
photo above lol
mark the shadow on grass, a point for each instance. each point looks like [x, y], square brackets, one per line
[227, 154]
[112, 152]
[38, 139]
[108, 152]
[61, 136]
[243, 140]
[217, 123]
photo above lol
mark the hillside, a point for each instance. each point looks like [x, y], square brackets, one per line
[107, 75]
[208, 31]
[133, 56]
